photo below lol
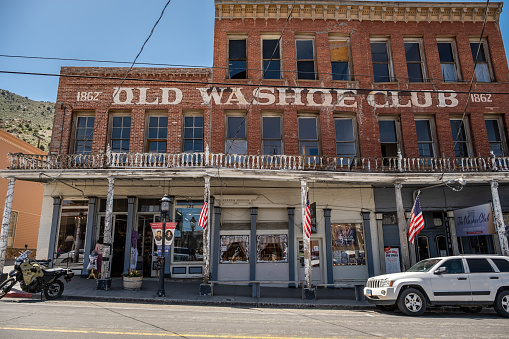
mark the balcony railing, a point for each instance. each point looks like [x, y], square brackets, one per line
[112, 160]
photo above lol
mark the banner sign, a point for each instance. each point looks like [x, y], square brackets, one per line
[157, 231]
[475, 220]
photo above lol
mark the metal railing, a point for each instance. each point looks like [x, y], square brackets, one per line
[110, 160]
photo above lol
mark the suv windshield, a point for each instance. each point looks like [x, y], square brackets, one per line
[424, 266]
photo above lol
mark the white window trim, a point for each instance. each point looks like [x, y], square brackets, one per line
[454, 49]
[484, 43]
[389, 55]
[424, 69]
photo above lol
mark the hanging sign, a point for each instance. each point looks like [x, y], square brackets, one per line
[475, 220]
[157, 231]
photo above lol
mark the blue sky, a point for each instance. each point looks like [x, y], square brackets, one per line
[105, 30]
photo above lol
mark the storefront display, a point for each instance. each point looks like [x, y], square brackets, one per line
[272, 248]
[234, 248]
[348, 244]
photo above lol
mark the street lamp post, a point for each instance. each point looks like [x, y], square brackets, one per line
[165, 208]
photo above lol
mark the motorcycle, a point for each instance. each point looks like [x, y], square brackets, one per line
[33, 277]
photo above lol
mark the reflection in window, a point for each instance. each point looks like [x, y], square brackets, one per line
[188, 241]
[84, 135]
[482, 68]
[348, 244]
[272, 248]
[459, 136]
[424, 138]
[271, 136]
[447, 61]
[423, 247]
[120, 134]
[414, 62]
[157, 133]
[71, 237]
[441, 245]
[308, 136]
[271, 59]
[454, 266]
[236, 142]
[345, 137]
[193, 134]
[305, 59]
[237, 59]
[234, 248]
[381, 61]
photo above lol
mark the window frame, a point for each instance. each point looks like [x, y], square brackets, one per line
[397, 127]
[279, 57]
[193, 114]
[354, 131]
[272, 115]
[467, 142]
[484, 43]
[389, 63]
[147, 129]
[113, 115]
[432, 131]
[345, 39]
[422, 55]
[228, 59]
[318, 141]
[74, 132]
[501, 130]
[454, 51]
[226, 139]
[313, 43]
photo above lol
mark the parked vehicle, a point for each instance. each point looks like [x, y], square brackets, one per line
[468, 281]
[33, 277]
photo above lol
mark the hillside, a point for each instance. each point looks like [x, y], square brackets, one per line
[23, 118]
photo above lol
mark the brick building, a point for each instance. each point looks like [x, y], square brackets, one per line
[356, 106]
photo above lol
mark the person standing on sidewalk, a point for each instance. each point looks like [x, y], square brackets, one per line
[99, 250]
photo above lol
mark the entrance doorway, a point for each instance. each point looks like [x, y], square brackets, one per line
[316, 261]
[118, 241]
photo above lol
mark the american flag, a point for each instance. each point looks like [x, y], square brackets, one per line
[204, 216]
[307, 219]
[417, 222]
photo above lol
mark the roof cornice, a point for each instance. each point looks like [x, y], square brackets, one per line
[359, 10]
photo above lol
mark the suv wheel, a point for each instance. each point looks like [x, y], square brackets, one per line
[412, 302]
[502, 304]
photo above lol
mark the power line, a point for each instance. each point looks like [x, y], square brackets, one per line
[238, 84]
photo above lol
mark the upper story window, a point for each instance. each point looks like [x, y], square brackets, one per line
[425, 141]
[414, 60]
[271, 59]
[389, 130]
[381, 58]
[340, 58]
[236, 142]
[496, 138]
[271, 135]
[157, 134]
[460, 137]
[84, 134]
[237, 58]
[193, 133]
[309, 143]
[345, 137]
[448, 60]
[120, 133]
[483, 71]
[305, 59]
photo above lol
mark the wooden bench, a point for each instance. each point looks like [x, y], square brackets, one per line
[255, 292]
[357, 285]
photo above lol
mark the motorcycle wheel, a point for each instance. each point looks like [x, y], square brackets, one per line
[6, 286]
[54, 290]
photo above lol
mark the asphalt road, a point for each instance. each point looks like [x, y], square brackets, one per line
[73, 319]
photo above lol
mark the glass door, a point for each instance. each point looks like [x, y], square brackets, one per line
[316, 264]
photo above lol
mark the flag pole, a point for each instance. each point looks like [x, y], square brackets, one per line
[206, 234]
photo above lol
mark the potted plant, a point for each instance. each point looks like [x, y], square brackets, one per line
[132, 280]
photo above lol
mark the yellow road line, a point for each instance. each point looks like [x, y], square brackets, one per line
[161, 334]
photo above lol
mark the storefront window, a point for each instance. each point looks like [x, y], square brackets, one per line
[272, 248]
[188, 243]
[71, 235]
[234, 248]
[348, 244]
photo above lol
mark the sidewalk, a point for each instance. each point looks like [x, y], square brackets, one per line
[186, 292]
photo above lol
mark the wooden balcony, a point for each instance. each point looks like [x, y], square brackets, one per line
[112, 160]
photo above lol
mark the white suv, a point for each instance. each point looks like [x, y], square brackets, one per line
[468, 281]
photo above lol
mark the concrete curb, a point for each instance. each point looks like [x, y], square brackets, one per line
[220, 303]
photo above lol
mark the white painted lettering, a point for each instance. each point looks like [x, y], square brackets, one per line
[258, 94]
[283, 95]
[371, 99]
[213, 95]
[326, 97]
[237, 97]
[415, 99]
[166, 95]
[447, 99]
[128, 93]
[143, 97]
[342, 97]
[396, 103]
